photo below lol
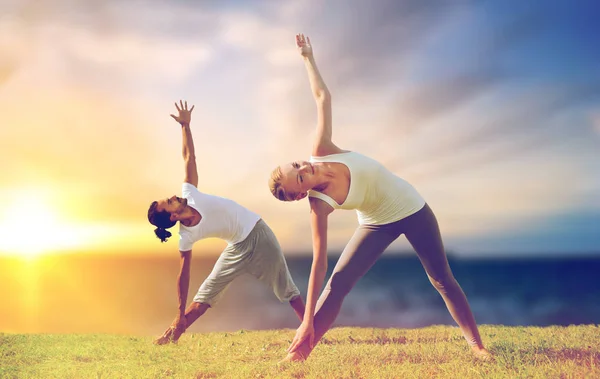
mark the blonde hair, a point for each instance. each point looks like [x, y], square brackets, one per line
[276, 188]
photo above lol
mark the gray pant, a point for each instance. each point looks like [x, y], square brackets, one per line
[259, 255]
[367, 244]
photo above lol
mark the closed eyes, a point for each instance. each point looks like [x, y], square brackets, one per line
[296, 165]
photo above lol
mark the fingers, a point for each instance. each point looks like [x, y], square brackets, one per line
[183, 106]
[292, 347]
[174, 117]
[165, 338]
[161, 341]
[296, 343]
[192, 108]
[302, 41]
[293, 344]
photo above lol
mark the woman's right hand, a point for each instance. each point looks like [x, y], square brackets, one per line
[305, 332]
[304, 46]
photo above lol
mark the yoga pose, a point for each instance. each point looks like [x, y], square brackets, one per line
[252, 247]
[387, 207]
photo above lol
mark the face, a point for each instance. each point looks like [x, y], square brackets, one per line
[298, 177]
[174, 205]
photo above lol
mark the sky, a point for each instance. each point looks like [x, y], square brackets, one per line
[491, 109]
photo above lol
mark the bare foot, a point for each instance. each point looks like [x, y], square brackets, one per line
[482, 354]
[293, 357]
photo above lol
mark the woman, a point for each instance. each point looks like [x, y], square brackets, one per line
[387, 207]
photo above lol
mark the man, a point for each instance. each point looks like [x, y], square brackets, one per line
[252, 247]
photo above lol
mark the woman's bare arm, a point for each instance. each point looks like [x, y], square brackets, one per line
[323, 144]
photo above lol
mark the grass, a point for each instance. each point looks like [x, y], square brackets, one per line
[439, 351]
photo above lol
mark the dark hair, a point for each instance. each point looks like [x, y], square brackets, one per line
[162, 220]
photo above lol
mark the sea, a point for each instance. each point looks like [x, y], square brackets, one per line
[137, 295]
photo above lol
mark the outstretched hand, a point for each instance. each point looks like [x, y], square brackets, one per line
[306, 332]
[173, 332]
[185, 114]
[304, 46]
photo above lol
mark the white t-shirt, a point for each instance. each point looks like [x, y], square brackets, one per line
[221, 218]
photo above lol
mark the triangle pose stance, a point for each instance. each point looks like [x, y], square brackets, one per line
[387, 207]
[252, 247]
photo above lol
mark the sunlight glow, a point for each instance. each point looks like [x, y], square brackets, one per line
[30, 227]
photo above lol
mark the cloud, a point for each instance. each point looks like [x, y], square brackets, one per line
[379, 44]
[595, 122]
[514, 125]
[113, 41]
[442, 94]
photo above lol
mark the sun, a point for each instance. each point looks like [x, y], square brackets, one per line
[30, 227]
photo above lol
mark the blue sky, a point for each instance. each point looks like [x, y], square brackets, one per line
[490, 108]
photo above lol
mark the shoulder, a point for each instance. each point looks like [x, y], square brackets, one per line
[188, 189]
[189, 186]
[319, 206]
[323, 149]
[323, 155]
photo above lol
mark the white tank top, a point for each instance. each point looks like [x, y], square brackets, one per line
[378, 196]
[221, 218]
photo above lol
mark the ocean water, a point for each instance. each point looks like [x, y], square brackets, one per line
[137, 295]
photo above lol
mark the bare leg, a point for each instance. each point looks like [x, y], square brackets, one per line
[424, 236]
[192, 313]
[298, 305]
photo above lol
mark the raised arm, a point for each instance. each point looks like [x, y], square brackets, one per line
[319, 219]
[189, 156]
[323, 144]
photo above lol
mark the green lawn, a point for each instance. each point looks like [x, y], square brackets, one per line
[440, 351]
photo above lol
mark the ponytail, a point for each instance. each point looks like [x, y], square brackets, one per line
[162, 220]
[162, 234]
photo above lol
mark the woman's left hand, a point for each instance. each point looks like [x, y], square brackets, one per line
[306, 332]
[304, 46]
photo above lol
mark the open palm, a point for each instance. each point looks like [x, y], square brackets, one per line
[304, 46]
[185, 114]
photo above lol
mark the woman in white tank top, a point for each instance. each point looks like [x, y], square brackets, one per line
[387, 207]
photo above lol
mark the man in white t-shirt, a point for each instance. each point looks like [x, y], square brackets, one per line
[252, 248]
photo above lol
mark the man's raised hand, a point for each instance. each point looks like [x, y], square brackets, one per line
[185, 114]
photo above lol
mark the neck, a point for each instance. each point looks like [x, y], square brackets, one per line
[188, 216]
[327, 174]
